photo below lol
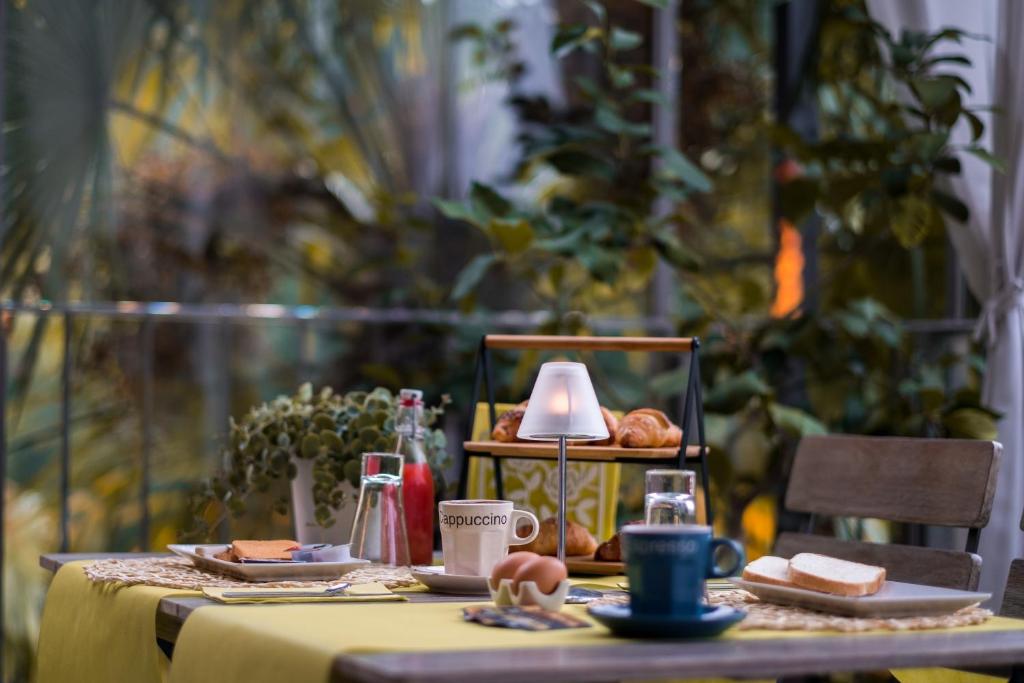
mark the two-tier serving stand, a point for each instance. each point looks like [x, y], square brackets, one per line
[691, 418]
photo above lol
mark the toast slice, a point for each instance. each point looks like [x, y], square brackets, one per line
[839, 577]
[768, 569]
[263, 550]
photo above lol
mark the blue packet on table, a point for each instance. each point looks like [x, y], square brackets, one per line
[322, 552]
[530, 618]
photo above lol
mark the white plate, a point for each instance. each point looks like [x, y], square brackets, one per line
[201, 556]
[895, 599]
[436, 580]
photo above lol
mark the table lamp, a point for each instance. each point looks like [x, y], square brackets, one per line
[563, 406]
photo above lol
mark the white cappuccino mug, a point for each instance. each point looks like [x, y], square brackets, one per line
[476, 534]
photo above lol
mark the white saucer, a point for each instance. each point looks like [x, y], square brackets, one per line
[436, 580]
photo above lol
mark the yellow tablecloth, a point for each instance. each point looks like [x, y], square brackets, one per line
[99, 632]
[94, 632]
[263, 644]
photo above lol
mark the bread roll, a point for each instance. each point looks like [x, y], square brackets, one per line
[578, 541]
[610, 550]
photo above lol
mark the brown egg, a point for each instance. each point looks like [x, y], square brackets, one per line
[546, 572]
[506, 569]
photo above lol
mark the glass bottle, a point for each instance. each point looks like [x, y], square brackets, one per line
[378, 533]
[417, 481]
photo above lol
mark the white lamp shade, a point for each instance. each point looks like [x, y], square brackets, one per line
[563, 403]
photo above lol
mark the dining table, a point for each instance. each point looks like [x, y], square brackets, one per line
[426, 656]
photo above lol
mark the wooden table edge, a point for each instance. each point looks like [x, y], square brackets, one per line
[760, 658]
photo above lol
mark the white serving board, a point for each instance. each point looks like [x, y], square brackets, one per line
[201, 557]
[895, 599]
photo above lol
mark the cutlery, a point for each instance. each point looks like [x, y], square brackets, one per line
[334, 589]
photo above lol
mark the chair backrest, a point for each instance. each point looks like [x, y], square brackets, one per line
[943, 482]
[913, 564]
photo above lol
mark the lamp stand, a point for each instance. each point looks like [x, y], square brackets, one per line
[562, 469]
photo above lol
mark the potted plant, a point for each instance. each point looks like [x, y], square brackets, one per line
[316, 440]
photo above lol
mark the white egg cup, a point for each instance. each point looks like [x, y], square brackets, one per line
[529, 594]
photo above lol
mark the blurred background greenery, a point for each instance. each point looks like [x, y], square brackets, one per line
[435, 170]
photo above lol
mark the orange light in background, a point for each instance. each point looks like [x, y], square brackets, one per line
[789, 271]
[759, 526]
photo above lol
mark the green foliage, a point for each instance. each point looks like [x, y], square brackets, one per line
[596, 234]
[851, 370]
[333, 430]
[595, 225]
[887, 111]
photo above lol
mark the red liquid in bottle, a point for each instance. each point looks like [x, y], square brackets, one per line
[418, 500]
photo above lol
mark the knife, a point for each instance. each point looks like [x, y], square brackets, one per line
[321, 594]
[334, 589]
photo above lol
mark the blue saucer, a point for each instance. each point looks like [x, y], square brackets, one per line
[711, 622]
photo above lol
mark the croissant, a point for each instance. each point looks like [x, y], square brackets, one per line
[611, 550]
[578, 540]
[507, 426]
[612, 423]
[648, 428]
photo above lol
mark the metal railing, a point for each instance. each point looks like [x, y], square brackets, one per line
[306, 318]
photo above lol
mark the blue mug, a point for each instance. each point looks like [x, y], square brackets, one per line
[667, 565]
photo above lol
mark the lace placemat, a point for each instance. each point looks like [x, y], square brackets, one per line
[178, 572]
[763, 615]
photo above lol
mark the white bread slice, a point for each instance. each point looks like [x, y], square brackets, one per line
[768, 569]
[839, 577]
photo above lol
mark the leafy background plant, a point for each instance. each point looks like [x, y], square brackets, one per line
[591, 239]
[330, 429]
[285, 152]
[874, 178]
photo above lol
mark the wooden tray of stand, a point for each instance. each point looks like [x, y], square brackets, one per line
[549, 450]
[588, 566]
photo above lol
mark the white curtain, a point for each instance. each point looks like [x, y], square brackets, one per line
[991, 245]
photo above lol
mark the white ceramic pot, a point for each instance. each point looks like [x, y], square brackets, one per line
[304, 510]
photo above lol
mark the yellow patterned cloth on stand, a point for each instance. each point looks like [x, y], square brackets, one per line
[592, 488]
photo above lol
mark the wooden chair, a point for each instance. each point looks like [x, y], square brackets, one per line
[941, 482]
[1013, 606]
[1013, 596]
[1013, 603]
